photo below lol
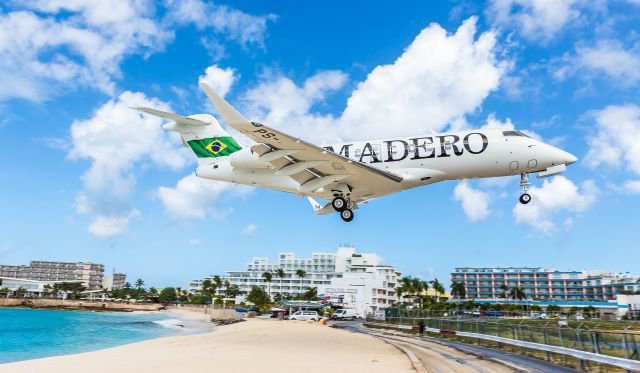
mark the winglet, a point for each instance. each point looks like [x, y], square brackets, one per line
[230, 115]
[316, 206]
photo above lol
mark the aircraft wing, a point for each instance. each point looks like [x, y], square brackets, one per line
[310, 165]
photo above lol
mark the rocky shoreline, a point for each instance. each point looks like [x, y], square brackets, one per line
[77, 305]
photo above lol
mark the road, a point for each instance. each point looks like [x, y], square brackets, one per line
[444, 355]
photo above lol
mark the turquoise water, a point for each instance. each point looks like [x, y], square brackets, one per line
[29, 334]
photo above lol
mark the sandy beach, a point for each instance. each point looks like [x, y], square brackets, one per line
[255, 345]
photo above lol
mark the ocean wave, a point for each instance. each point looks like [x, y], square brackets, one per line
[170, 323]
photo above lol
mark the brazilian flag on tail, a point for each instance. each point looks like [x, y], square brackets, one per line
[214, 146]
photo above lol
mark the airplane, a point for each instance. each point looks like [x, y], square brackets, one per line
[349, 174]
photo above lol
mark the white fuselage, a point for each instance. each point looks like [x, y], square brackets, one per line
[419, 160]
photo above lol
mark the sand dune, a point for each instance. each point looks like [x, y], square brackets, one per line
[254, 345]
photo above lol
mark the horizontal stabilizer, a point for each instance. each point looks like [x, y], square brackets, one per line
[173, 117]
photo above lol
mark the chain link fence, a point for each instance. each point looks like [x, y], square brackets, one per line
[611, 343]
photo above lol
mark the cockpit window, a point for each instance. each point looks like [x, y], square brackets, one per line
[513, 133]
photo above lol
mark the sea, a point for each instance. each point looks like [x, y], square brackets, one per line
[30, 334]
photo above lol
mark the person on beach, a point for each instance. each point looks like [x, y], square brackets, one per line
[421, 327]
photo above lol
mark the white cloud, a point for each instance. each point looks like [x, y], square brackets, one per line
[538, 20]
[220, 80]
[116, 140]
[240, 26]
[196, 198]
[69, 43]
[632, 186]
[279, 102]
[475, 203]
[437, 81]
[249, 230]
[194, 242]
[49, 46]
[105, 227]
[606, 57]
[555, 196]
[616, 142]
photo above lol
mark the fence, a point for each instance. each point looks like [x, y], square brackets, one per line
[611, 343]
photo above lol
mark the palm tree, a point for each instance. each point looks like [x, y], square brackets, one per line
[437, 287]
[139, 284]
[459, 290]
[517, 293]
[505, 290]
[301, 273]
[268, 276]
[280, 273]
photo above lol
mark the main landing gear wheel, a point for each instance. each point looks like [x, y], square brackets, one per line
[524, 185]
[346, 215]
[339, 204]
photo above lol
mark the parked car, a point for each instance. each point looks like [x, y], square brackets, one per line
[305, 315]
[345, 314]
[494, 314]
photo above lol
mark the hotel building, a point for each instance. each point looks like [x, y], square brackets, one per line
[544, 283]
[114, 282]
[90, 274]
[354, 280]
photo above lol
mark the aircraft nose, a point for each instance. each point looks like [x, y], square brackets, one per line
[570, 158]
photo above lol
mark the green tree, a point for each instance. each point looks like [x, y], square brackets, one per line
[438, 287]
[231, 291]
[5, 291]
[505, 290]
[311, 294]
[517, 293]
[21, 292]
[458, 290]
[280, 274]
[168, 295]
[553, 309]
[258, 296]
[268, 276]
[301, 273]
[590, 312]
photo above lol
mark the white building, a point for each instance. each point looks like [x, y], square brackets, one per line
[32, 288]
[353, 280]
[114, 282]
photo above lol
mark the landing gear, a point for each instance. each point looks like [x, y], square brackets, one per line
[346, 215]
[524, 185]
[339, 204]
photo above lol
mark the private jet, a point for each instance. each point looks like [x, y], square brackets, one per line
[349, 174]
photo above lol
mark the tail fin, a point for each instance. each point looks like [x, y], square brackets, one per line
[200, 132]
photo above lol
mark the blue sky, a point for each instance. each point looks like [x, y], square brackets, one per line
[84, 178]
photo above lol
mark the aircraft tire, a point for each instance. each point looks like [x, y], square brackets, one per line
[346, 215]
[339, 204]
[525, 198]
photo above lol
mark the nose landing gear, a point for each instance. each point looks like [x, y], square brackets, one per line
[524, 185]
